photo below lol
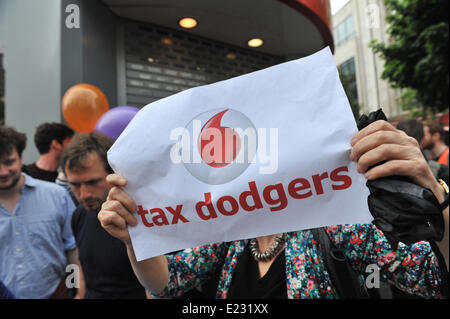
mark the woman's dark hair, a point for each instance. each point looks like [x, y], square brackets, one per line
[10, 139]
[81, 146]
[47, 132]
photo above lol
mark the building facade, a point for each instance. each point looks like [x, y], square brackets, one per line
[354, 26]
[136, 52]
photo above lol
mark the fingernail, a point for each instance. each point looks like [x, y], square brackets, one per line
[353, 141]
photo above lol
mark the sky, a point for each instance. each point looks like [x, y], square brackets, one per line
[336, 5]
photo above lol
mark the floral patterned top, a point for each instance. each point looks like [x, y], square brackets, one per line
[413, 269]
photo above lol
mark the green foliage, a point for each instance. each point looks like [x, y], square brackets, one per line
[409, 102]
[416, 56]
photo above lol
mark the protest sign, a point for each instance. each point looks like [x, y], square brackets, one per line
[259, 154]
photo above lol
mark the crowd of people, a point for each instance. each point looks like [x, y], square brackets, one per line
[48, 219]
[69, 208]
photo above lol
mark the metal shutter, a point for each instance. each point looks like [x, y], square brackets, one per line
[161, 62]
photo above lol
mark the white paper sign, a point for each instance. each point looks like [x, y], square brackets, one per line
[263, 153]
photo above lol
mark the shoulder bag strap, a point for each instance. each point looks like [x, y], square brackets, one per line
[343, 277]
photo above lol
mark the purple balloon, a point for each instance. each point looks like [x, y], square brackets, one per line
[114, 121]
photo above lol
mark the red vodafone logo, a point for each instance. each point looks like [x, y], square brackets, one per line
[223, 146]
[228, 145]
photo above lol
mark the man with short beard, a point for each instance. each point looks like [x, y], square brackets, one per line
[415, 128]
[106, 269]
[35, 234]
[433, 140]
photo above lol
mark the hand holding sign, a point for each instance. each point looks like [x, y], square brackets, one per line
[379, 142]
[401, 203]
[117, 211]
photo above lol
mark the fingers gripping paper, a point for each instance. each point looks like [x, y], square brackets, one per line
[263, 153]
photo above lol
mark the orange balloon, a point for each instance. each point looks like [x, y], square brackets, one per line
[82, 105]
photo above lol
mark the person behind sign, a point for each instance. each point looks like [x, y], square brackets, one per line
[290, 265]
[434, 141]
[105, 269]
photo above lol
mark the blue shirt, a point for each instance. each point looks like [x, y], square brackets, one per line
[34, 238]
